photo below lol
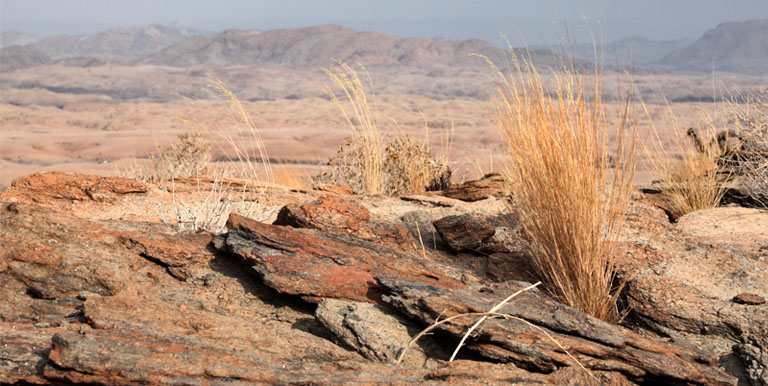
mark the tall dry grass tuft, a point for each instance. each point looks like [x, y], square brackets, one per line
[371, 162]
[244, 139]
[690, 177]
[361, 118]
[570, 203]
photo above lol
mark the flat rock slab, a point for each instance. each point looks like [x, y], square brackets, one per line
[596, 344]
[50, 186]
[729, 225]
[491, 184]
[317, 265]
[688, 275]
[338, 215]
[377, 333]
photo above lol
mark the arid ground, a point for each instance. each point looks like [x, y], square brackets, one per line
[41, 130]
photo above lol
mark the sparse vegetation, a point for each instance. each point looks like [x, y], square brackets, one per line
[690, 174]
[190, 155]
[570, 205]
[292, 177]
[371, 162]
[212, 200]
[215, 195]
[750, 159]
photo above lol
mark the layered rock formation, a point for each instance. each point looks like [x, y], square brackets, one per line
[96, 288]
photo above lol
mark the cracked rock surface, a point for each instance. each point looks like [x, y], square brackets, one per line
[96, 289]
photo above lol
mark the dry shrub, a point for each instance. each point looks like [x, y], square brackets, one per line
[410, 168]
[190, 155]
[750, 159]
[209, 205]
[690, 176]
[370, 162]
[215, 196]
[570, 204]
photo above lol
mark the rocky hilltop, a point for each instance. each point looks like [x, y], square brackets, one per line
[119, 43]
[314, 46]
[10, 37]
[15, 57]
[729, 47]
[324, 287]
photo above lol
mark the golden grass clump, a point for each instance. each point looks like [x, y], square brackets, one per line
[690, 177]
[292, 177]
[571, 206]
[371, 162]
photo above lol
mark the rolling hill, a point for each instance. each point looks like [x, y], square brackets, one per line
[121, 43]
[11, 37]
[317, 46]
[14, 57]
[730, 47]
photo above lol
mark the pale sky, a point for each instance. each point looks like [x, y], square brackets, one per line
[534, 20]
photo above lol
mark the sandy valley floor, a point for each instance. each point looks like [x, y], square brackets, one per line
[105, 138]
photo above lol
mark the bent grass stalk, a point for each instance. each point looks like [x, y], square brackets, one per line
[492, 313]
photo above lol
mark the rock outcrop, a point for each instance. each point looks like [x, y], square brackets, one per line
[334, 290]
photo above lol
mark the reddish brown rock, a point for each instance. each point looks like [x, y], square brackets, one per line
[83, 357]
[596, 344]
[310, 263]
[480, 233]
[158, 330]
[88, 293]
[23, 352]
[490, 185]
[45, 187]
[173, 251]
[378, 333]
[339, 215]
[334, 189]
[28, 252]
[748, 298]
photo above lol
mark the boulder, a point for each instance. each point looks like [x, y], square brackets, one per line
[337, 215]
[684, 278]
[46, 187]
[485, 234]
[489, 185]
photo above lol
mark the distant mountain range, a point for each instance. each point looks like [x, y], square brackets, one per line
[12, 37]
[636, 49]
[316, 46]
[122, 43]
[730, 47]
[16, 56]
